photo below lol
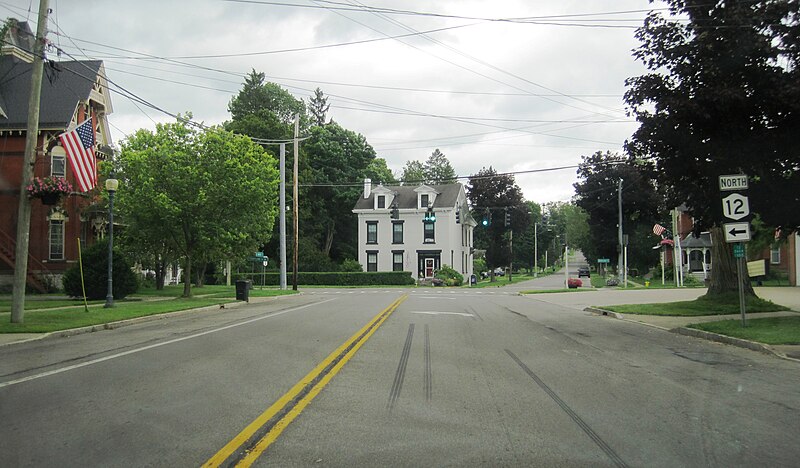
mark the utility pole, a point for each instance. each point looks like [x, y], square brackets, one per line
[31, 137]
[511, 252]
[535, 251]
[282, 216]
[294, 194]
[619, 234]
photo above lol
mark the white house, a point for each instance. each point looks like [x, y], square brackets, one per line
[414, 228]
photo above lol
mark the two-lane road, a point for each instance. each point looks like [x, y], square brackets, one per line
[440, 377]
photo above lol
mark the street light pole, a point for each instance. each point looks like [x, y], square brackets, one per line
[111, 186]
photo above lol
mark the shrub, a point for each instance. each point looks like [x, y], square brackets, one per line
[95, 273]
[450, 276]
[351, 265]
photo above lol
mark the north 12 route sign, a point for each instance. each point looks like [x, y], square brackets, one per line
[735, 207]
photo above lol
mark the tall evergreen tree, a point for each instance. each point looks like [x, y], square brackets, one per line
[438, 169]
[318, 108]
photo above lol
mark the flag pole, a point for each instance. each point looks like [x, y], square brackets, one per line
[83, 285]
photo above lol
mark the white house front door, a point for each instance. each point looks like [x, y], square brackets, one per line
[429, 267]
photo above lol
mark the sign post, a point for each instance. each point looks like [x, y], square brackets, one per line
[736, 207]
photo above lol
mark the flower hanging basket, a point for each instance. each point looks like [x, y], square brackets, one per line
[50, 198]
[49, 189]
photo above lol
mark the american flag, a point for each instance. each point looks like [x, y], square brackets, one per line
[79, 145]
[658, 229]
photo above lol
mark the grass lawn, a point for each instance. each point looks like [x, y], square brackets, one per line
[500, 281]
[772, 330]
[33, 302]
[726, 304]
[41, 317]
[40, 321]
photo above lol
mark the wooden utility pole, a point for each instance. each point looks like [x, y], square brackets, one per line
[294, 196]
[31, 137]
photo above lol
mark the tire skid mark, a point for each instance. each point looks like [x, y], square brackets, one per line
[400, 373]
[428, 381]
[564, 406]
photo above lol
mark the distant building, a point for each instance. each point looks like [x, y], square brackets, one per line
[71, 92]
[396, 232]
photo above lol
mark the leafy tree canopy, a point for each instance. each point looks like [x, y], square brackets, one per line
[597, 194]
[209, 193]
[435, 170]
[721, 98]
[496, 194]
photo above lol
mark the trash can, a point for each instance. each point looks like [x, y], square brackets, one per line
[473, 280]
[243, 290]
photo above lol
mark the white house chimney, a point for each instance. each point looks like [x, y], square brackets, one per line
[367, 187]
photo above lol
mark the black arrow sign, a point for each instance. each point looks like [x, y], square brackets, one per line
[735, 232]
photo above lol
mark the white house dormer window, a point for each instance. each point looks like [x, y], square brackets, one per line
[381, 202]
[423, 200]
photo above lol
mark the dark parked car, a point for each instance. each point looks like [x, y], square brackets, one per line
[584, 271]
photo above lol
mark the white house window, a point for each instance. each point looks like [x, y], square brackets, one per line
[423, 201]
[56, 239]
[372, 261]
[372, 232]
[397, 232]
[397, 261]
[775, 256]
[429, 233]
[381, 201]
[58, 162]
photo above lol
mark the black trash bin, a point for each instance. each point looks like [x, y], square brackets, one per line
[243, 290]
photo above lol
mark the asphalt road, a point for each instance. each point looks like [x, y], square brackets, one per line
[447, 378]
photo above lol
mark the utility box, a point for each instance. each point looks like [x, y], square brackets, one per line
[243, 290]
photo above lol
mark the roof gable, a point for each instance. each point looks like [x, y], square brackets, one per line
[64, 85]
[406, 196]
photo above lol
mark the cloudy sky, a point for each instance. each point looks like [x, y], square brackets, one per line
[533, 93]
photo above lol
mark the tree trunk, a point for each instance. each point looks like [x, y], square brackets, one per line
[187, 277]
[161, 273]
[724, 277]
[329, 239]
[200, 276]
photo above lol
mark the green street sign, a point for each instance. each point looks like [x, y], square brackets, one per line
[738, 250]
[603, 260]
[259, 254]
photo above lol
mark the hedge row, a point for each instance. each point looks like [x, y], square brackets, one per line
[344, 278]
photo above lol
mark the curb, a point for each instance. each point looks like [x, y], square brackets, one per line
[715, 337]
[725, 339]
[609, 313]
[133, 321]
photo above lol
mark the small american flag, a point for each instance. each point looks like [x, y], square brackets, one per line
[658, 229]
[79, 145]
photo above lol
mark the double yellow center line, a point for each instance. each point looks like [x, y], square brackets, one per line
[248, 445]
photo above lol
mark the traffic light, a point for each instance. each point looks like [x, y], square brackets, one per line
[487, 219]
[507, 218]
[395, 214]
[458, 216]
[430, 217]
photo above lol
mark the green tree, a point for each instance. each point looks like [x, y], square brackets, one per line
[95, 274]
[438, 169]
[721, 98]
[597, 193]
[318, 108]
[210, 194]
[489, 192]
[336, 156]
[413, 173]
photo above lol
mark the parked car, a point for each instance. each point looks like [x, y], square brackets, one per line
[584, 271]
[499, 272]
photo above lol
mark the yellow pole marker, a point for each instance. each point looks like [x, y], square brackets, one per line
[343, 353]
[80, 266]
